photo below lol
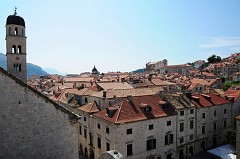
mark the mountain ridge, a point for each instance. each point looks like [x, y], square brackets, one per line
[32, 69]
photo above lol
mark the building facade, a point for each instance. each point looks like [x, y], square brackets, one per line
[16, 46]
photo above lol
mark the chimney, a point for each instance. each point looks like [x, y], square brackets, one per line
[207, 97]
[104, 94]
[196, 99]
[150, 79]
[129, 97]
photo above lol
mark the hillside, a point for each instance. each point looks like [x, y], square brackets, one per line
[31, 68]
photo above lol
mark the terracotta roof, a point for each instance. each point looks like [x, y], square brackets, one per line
[208, 100]
[159, 82]
[63, 96]
[90, 108]
[78, 79]
[192, 86]
[114, 85]
[125, 92]
[234, 93]
[130, 111]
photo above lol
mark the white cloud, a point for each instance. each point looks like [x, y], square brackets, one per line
[219, 42]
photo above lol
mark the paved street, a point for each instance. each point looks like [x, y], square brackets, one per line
[202, 155]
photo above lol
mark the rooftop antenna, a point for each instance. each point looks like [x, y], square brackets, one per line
[15, 11]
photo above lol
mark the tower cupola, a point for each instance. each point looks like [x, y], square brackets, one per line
[16, 46]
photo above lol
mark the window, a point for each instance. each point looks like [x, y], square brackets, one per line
[129, 150]
[191, 111]
[19, 49]
[17, 67]
[214, 113]
[99, 142]
[168, 139]
[191, 137]
[191, 124]
[169, 123]
[80, 130]
[107, 130]
[129, 131]
[225, 124]
[107, 146]
[225, 111]
[86, 100]
[151, 144]
[84, 119]
[181, 127]
[14, 50]
[85, 133]
[181, 140]
[203, 115]
[150, 127]
[16, 31]
[215, 126]
[182, 112]
[99, 126]
[203, 129]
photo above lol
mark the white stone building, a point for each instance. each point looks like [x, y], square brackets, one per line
[155, 66]
[185, 123]
[137, 126]
[213, 118]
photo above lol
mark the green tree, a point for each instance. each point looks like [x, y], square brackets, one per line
[214, 58]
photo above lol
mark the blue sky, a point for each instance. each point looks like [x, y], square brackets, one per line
[123, 35]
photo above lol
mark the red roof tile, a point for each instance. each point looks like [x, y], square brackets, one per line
[131, 111]
[208, 100]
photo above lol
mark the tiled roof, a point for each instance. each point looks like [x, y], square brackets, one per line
[192, 86]
[90, 108]
[63, 97]
[234, 93]
[130, 111]
[78, 79]
[125, 92]
[159, 82]
[114, 85]
[208, 100]
[177, 100]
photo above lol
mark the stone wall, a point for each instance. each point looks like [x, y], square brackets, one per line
[238, 138]
[31, 126]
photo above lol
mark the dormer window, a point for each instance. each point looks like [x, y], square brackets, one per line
[111, 111]
[163, 104]
[145, 108]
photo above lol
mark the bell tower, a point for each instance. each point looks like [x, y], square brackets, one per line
[16, 46]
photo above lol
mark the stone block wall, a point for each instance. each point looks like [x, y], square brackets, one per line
[31, 126]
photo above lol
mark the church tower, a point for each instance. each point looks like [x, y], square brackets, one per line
[16, 46]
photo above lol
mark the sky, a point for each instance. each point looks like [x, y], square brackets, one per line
[123, 35]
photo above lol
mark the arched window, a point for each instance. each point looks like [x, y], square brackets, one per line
[16, 31]
[9, 31]
[14, 49]
[19, 49]
[20, 67]
[22, 32]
